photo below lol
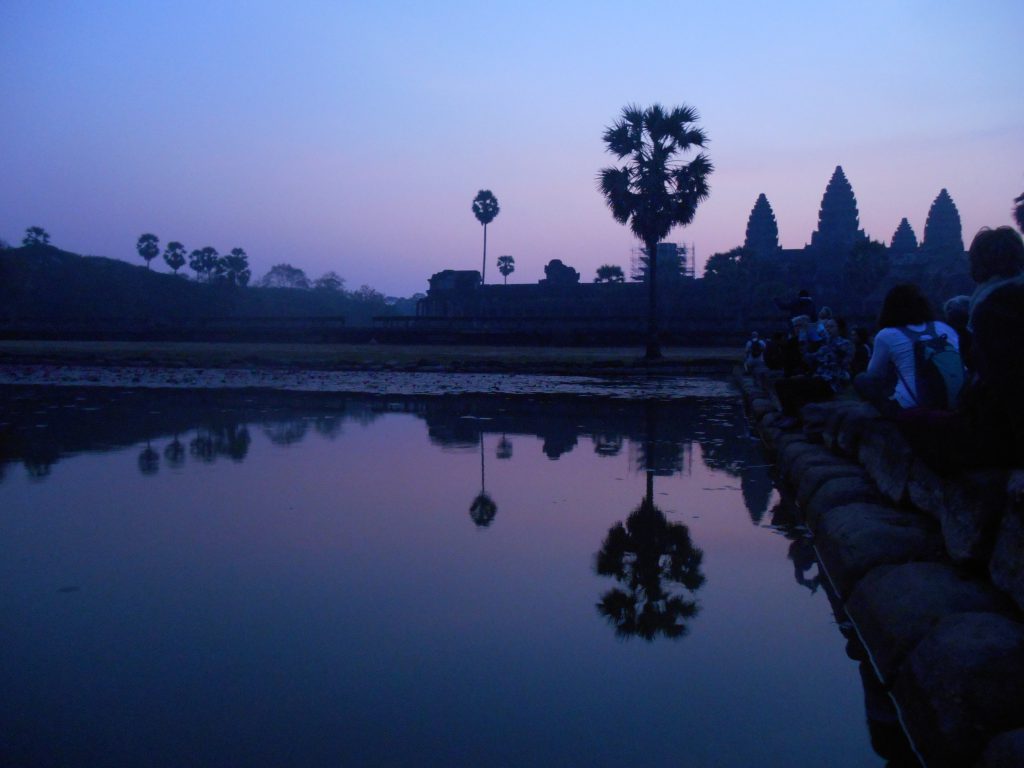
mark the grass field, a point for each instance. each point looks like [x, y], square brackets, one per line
[361, 356]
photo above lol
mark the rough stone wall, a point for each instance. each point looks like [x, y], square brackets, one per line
[929, 571]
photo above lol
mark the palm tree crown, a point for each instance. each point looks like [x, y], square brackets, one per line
[654, 190]
[485, 208]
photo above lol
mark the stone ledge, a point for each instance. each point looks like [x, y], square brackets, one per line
[854, 539]
[895, 607]
[962, 685]
[1006, 567]
[887, 457]
[838, 492]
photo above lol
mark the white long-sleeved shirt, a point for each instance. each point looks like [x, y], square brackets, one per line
[893, 350]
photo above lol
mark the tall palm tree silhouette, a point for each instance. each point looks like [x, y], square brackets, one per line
[485, 208]
[483, 510]
[653, 191]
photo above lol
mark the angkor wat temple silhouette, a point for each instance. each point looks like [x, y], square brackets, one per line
[840, 265]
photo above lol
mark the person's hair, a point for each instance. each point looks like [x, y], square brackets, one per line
[996, 252]
[904, 305]
[803, 293]
[957, 310]
[825, 313]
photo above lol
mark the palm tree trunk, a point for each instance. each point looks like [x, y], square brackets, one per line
[483, 269]
[653, 347]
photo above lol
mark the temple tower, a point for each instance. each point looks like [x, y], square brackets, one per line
[904, 241]
[762, 230]
[838, 221]
[942, 230]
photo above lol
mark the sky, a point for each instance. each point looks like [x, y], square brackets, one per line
[353, 136]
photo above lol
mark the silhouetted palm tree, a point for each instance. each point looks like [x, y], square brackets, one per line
[506, 265]
[174, 255]
[1018, 212]
[610, 273]
[653, 191]
[646, 555]
[485, 208]
[148, 247]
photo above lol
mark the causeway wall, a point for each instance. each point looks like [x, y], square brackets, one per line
[928, 569]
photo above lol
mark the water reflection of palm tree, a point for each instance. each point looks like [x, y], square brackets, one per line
[149, 460]
[483, 509]
[174, 453]
[504, 449]
[658, 568]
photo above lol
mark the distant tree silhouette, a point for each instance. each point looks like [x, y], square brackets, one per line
[233, 268]
[368, 295]
[485, 208]
[654, 191]
[1018, 212]
[557, 273]
[148, 246]
[36, 236]
[647, 555]
[174, 256]
[610, 273]
[203, 261]
[284, 276]
[506, 265]
[504, 449]
[330, 281]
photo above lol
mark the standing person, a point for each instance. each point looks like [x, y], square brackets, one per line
[754, 353]
[890, 381]
[803, 304]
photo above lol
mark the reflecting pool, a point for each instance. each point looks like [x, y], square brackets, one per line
[273, 579]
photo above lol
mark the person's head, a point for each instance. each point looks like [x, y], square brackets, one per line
[753, 336]
[804, 294]
[996, 252]
[904, 305]
[832, 328]
[825, 313]
[957, 311]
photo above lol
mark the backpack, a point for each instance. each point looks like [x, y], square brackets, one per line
[756, 348]
[938, 370]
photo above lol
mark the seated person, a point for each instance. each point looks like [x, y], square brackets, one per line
[890, 382]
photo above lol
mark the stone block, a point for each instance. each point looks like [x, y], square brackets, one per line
[1007, 564]
[962, 685]
[856, 538]
[793, 450]
[852, 430]
[894, 607]
[838, 492]
[770, 435]
[805, 459]
[926, 488]
[814, 417]
[834, 424]
[814, 473]
[971, 508]
[1004, 751]
[887, 457]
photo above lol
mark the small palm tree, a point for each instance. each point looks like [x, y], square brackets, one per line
[654, 191]
[174, 256]
[1018, 212]
[610, 273]
[148, 247]
[485, 208]
[506, 265]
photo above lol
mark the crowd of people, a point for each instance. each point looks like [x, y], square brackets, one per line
[954, 383]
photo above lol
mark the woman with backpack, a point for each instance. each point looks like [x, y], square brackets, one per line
[915, 361]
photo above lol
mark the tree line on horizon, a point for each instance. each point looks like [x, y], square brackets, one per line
[229, 269]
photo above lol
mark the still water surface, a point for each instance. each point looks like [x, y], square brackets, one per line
[230, 578]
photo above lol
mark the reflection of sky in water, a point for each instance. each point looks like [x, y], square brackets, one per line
[324, 598]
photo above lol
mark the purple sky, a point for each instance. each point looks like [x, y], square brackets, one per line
[342, 137]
